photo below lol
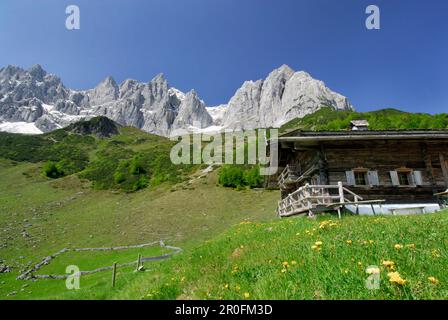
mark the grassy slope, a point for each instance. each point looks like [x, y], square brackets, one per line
[68, 213]
[328, 119]
[248, 261]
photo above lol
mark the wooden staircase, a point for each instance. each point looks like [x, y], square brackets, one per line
[310, 199]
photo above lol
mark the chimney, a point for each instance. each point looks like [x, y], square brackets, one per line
[359, 125]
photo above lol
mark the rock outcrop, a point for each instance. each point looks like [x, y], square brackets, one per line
[100, 126]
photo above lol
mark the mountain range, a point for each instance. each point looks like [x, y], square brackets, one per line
[34, 101]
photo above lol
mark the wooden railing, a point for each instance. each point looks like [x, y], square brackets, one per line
[288, 176]
[309, 197]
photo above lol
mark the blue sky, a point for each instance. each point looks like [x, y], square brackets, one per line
[215, 45]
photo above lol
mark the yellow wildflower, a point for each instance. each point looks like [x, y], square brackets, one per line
[410, 246]
[435, 253]
[318, 243]
[293, 262]
[389, 264]
[398, 246]
[246, 295]
[283, 270]
[323, 224]
[433, 280]
[395, 277]
[349, 241]
[285, 264]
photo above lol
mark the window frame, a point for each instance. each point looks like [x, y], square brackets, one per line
[368, 183]
[410, 177]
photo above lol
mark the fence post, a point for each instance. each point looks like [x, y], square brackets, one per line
[114, 273]
[341, 198]
[341, 192]
[139, 260]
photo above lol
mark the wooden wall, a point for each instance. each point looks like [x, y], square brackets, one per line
[383, 156]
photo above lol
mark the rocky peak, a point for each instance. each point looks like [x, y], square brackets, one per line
[192, 111]
[37, 73]
[159, 85]
[109, 81]
[106, 91]
[243, 108]
[282, 96]
[271, 95]
[159, 78]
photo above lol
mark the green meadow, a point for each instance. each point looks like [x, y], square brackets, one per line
[63, 190]
[68, 213]
[299, 258]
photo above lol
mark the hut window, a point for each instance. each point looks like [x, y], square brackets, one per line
[403, 178]
[406, 177]
[360, 178]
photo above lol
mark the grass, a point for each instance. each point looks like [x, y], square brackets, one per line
[94, 286]
[68, 213]
[276, 260]
[234, 247]
[384, 119]
[87, 260]
[129, 160]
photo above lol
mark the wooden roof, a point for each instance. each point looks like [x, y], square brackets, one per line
[311, 136]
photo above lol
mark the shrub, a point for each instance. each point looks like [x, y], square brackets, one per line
[239, 177]
[252, 177]
[141, 183]
[231, 176]
[137, 165]
[119, 177]
[52, 170]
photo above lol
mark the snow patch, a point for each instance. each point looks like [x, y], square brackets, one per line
[47, 107]
[208, 130]
[217, 113]
[20, 127]
[175, 92]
